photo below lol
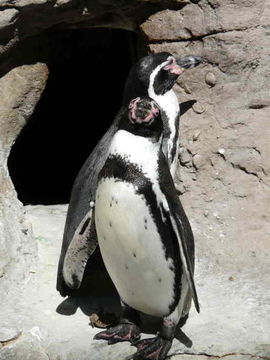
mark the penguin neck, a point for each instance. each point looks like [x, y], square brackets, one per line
[151, 132]
[134, 148]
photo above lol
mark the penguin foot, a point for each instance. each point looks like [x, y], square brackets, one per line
[154, 349]
[122, 332]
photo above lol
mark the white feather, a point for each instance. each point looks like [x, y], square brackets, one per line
[131, 248]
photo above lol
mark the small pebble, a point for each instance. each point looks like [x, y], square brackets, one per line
[221, 151]
[210, 79]
[8, 334]
[197, 161]
[198, 108]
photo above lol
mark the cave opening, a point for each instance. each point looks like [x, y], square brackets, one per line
[87, 73]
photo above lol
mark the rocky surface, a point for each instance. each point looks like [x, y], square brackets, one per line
[224, 175]
[233, 323]
[20, 19]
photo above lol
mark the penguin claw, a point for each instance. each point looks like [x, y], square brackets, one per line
[152, 349]
[119, 333]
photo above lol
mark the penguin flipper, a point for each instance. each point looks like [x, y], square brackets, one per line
[179, 230]
[81, 247]
[83, 192]
[180, 226]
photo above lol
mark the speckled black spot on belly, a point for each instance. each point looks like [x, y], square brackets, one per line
[145, 224]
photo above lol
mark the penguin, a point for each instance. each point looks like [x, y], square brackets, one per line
[153, 75]
[144, 236]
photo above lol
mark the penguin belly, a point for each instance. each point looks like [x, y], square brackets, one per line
[132, 249]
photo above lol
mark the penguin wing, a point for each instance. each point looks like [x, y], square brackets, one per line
[83, 191]
[180, 226]
[80, 249]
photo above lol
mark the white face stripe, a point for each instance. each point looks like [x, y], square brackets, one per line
[168, 102]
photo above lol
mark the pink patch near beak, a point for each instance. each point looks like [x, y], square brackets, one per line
[132, 107]
[174, 68]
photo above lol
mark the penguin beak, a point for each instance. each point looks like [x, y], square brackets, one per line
[189, 62]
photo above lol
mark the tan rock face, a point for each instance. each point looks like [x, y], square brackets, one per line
[226, 184]
[20, 90]
[20, 19]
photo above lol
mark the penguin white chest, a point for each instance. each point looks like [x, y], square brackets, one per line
[132, 249]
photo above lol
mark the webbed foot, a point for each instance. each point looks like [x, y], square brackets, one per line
[154, 349]
[122, 332]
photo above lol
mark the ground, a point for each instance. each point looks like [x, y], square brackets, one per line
[233, 323]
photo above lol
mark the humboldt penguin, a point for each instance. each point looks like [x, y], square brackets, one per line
[144, 235]
[153, 75]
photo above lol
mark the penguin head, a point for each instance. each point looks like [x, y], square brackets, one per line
[143, 118]
[143, 111]
[156, 74]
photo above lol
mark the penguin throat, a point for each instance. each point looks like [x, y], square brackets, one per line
[152, 131]
[164, 82]
[161, 81]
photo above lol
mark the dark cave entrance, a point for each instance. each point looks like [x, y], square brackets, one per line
[88, 69]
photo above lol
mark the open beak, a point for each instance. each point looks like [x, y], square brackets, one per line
[189, 62]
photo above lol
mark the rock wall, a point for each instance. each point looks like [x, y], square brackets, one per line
[224, 173]
[20, 90]
[224, 168]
